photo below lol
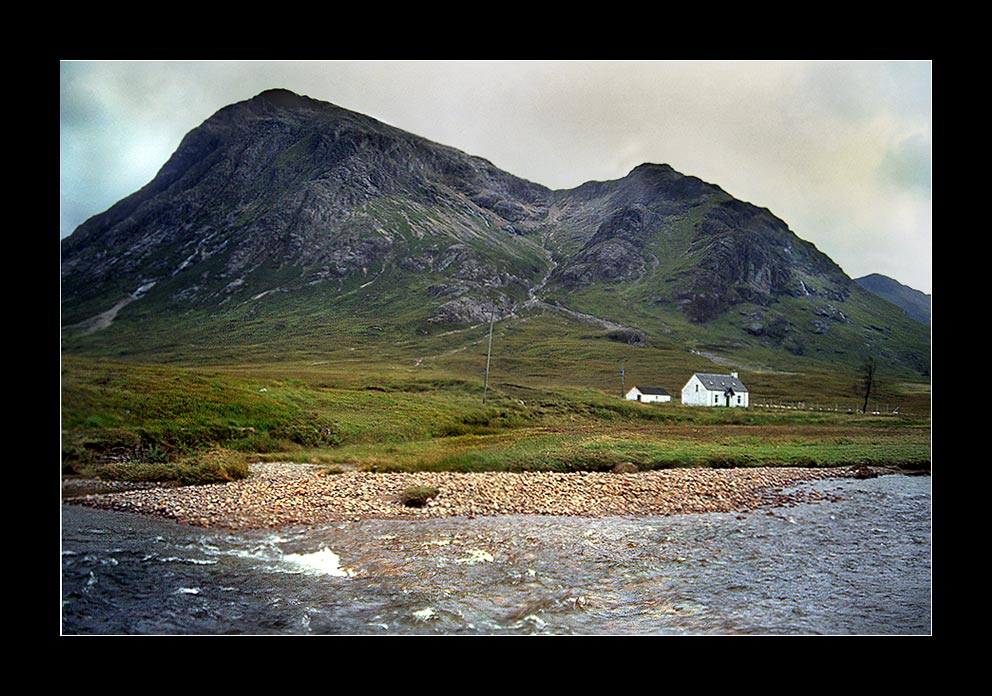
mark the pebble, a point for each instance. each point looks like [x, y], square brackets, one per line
[276, 495]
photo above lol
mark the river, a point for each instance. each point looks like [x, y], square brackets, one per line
[857, 565]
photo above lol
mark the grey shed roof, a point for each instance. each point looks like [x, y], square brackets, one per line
[721, 382]
[654, 391]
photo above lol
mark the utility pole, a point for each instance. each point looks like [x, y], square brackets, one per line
[623, 380]
[489, 353]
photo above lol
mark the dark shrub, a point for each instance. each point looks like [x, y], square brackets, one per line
[417, 496]
[625, 468]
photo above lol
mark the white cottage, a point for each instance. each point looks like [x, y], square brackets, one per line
[715, 390]
[648, 394]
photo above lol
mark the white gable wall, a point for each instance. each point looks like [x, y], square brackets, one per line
[695, 394]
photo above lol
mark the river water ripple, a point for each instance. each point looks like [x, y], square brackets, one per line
[859, 565]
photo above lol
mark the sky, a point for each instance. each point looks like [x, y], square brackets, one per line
[839, 150]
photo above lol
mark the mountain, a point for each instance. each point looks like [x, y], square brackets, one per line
[285, 223]
[915, 303]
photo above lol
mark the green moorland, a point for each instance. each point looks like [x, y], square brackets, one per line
[552, 404]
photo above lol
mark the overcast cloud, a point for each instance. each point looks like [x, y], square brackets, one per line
[841, 151]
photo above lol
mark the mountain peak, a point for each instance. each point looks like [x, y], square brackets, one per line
[649, 167]
[282, 97]
[276, 102]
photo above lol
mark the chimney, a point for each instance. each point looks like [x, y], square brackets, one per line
[734, 374]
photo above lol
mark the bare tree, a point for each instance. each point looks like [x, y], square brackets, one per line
[868, 379]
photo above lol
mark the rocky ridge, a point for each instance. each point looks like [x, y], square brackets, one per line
[915, 303]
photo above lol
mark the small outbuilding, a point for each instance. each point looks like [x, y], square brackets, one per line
[648, 395]
[704, 389]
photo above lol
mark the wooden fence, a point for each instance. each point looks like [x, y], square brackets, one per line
[874, 409]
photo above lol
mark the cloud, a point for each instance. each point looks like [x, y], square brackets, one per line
[908, 166]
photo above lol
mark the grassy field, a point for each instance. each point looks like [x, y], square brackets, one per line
[194, 424]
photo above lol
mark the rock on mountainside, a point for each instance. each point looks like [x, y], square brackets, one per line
[283, 197]
[915, 303]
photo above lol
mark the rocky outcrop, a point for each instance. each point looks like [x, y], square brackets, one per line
[746, 255]
[469, 310]
[614, 254]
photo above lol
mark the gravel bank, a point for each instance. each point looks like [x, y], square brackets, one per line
[299, 494]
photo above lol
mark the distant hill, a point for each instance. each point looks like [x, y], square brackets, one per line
[915, 303]
[288, 225]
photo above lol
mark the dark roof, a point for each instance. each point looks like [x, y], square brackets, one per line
[655, 391]
[721, 382]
